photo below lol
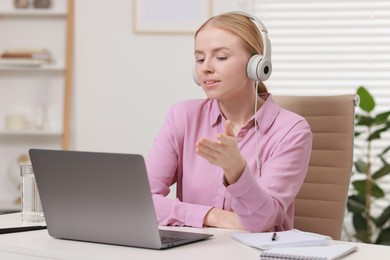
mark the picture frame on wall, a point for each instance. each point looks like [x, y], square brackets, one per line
[170, 16]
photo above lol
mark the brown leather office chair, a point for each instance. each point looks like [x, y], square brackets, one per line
[321, 203]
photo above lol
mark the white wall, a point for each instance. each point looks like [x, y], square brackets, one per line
[124, 83]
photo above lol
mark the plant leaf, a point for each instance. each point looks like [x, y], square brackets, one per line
[364, 120]
[359, 222]
[376, 134]
[383, 218]
[361, 166]
[382, 118]
[363, 236]
[384, 237]
[385, 170]
[376, 191]
[355, 204]
[367, 102]
[360, 187]
[360, 225]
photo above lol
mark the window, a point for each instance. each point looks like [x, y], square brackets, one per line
[325, 47]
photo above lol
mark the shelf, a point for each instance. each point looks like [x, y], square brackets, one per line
[31, 132]
[28, 67]
[33, 12]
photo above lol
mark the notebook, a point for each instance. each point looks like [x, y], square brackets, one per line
[289, 238]
[101, 197]
[330, 252]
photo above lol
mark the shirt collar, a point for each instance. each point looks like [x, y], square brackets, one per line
[215, 113]
[265, 116]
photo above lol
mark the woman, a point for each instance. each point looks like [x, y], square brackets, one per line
[237, 158]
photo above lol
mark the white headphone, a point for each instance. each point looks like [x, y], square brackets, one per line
[259, 66]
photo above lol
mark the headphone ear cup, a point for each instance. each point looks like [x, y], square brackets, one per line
[258, 68]
[194, 77]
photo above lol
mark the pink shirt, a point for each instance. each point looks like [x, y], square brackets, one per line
[262, 201]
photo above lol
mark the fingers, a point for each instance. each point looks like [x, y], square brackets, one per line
[229, 128]
[223, 152]
[207, 149]
[216, 152]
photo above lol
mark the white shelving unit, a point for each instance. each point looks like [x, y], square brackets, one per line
[40, 93]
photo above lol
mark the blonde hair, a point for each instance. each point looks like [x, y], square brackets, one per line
[244, 28]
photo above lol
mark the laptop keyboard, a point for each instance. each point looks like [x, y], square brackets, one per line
[170, 239]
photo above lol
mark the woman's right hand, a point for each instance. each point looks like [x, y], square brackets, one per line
[223, 152]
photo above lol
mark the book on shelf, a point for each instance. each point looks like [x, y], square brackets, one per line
[21, 62]
[24, 50]
[25, 57]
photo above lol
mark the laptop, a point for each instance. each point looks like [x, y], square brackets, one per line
[101, 197]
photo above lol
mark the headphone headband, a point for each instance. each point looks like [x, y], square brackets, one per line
[263, 31]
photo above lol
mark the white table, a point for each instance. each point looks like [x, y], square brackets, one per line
[39, 245]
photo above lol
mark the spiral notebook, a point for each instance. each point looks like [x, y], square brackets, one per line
[289, 238]
[330, 252]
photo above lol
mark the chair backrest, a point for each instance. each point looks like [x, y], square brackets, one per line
[321, 203]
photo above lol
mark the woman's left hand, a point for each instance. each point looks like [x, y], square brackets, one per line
[223, 152]
[222, 219]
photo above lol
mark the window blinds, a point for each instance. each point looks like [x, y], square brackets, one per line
[326, 47]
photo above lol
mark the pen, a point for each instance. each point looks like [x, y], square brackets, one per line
[274, 236]
[20, 229]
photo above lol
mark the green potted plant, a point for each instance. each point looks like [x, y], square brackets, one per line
[369, 168]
